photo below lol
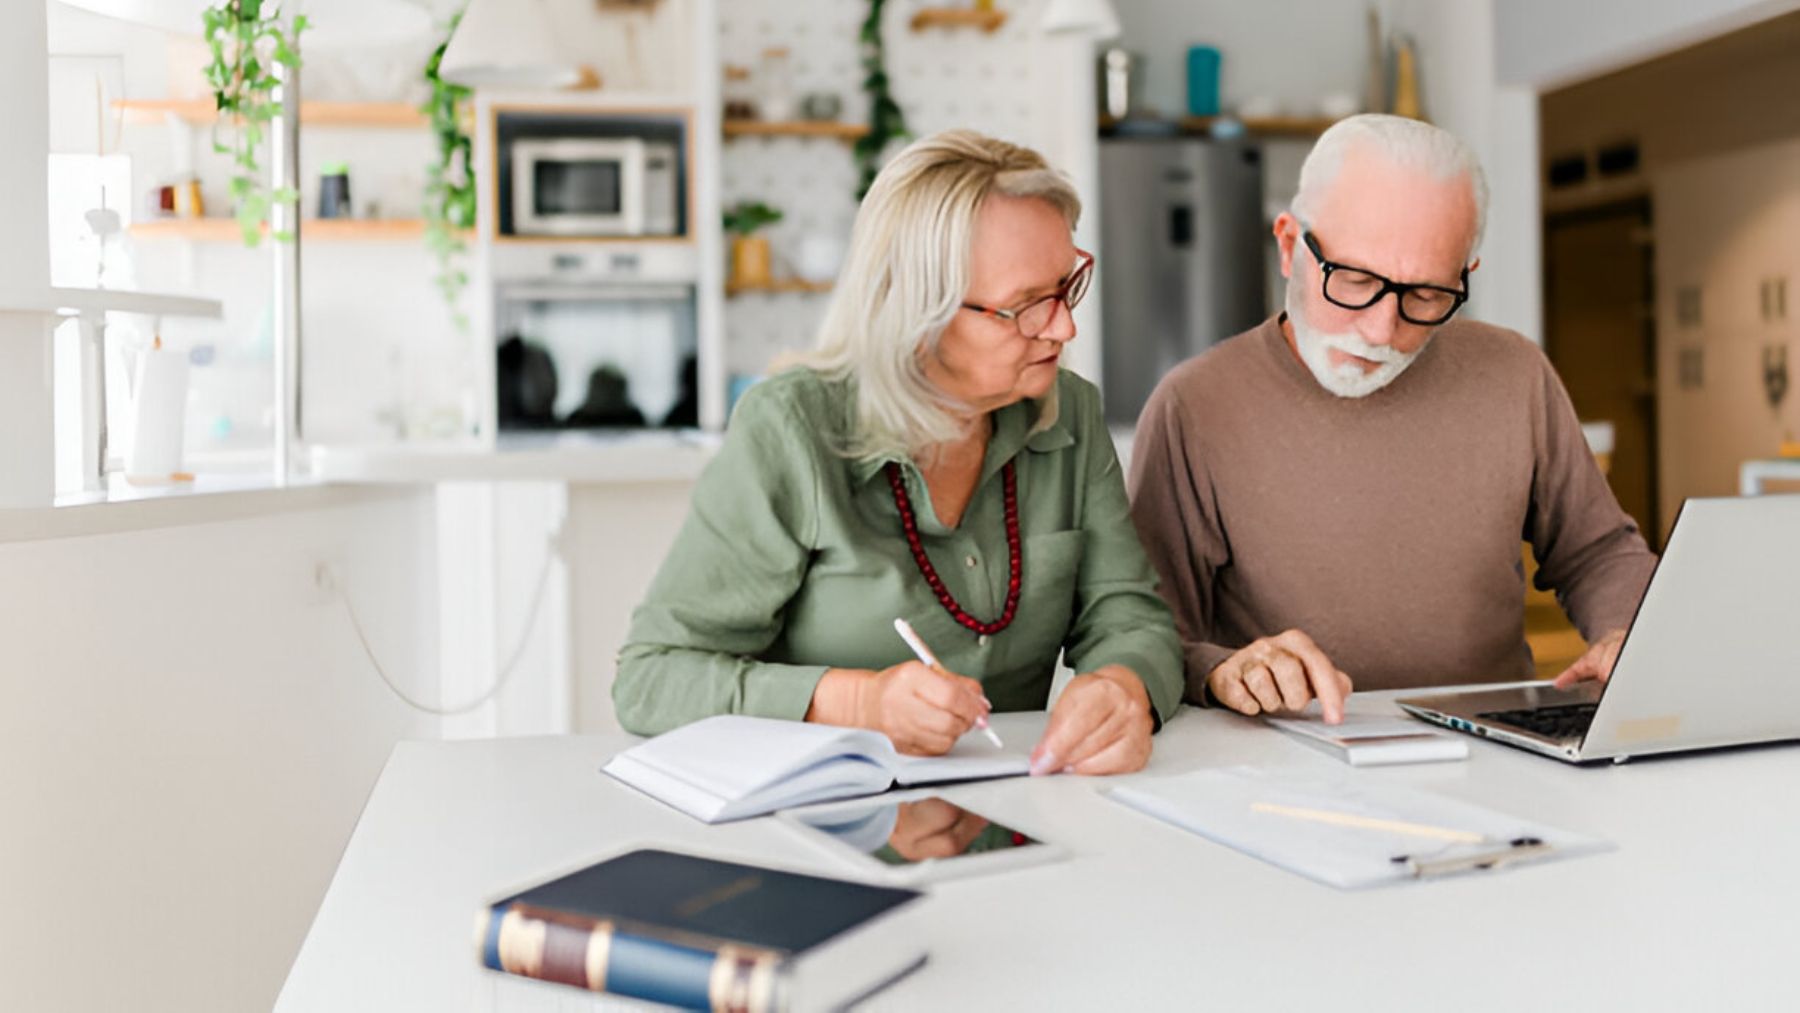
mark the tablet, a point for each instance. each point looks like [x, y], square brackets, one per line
[916, 837]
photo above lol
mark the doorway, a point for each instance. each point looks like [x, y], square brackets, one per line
[1600, 334]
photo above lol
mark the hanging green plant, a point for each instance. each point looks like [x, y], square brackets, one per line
[886, 122]
[449, 207]
[248, 45]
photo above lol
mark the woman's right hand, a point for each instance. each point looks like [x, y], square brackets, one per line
[934, 828]
[923, 710]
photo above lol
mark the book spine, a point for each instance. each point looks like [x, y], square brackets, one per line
[597, 956]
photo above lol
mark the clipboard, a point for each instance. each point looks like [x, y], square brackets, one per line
[1347, 832]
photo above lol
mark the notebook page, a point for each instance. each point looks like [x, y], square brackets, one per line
[974, 757]
[837, 777]
[732, 756]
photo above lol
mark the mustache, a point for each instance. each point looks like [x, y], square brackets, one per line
[1353, 345]
[1346, 341]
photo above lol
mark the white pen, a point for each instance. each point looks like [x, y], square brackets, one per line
[907, 634]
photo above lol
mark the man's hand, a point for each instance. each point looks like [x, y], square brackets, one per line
[1280, 674]
[1597, 663]
[1100, 725]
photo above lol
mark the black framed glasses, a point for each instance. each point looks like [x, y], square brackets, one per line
[1354, 288]
[1034, 317]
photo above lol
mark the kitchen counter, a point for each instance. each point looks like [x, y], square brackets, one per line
[638, 456]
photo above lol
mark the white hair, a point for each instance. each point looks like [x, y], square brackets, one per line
[1409, 143]
[905, 277]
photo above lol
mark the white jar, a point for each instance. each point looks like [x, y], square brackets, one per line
[775, 86]
[820, 257]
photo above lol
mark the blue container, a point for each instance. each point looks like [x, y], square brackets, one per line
[735, 387]
[1203, 80]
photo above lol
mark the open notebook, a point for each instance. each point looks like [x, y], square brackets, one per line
[731, 766]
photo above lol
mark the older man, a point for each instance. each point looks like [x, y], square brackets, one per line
[1339, 494]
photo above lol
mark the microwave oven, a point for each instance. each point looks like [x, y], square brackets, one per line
[594, 186]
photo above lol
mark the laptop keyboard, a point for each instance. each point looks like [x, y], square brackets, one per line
[1565, 721]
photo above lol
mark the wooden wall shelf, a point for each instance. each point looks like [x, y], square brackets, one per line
[777, 287]
[316, 114]
[958, 17]
[1265, 126]
[332, 230]
[795, 128]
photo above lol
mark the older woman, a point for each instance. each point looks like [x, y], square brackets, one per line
[927, 461]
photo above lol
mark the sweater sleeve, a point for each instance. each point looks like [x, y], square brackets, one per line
[1119, 620]
[1589, 551]
[720, 598]
[1176, 515]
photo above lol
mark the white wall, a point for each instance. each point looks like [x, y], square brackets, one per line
[189, 732]
[1457, 69]
[1548, 43]
[1294, 52]
[26, 463]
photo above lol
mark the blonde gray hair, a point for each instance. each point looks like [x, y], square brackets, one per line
[905, 277]
[1413, 144]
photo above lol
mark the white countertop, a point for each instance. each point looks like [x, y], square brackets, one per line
[207, 499]
[653, 455]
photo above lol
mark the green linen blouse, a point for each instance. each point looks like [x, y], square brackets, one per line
[792, 561]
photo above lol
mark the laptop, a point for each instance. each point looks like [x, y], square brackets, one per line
[1712, 658]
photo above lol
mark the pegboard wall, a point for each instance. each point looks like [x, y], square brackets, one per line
[942, 78]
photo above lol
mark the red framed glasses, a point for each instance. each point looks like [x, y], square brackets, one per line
[1034, 317]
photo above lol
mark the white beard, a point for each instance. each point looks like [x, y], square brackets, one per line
[1349, 379]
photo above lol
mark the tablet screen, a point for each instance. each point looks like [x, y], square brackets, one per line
[907, 832]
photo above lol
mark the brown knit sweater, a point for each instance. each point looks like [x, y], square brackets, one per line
[1386, 528]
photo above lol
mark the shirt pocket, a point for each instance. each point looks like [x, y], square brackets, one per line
[1017, 674]
[1052, 572]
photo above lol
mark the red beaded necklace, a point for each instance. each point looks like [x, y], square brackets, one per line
[911, 528]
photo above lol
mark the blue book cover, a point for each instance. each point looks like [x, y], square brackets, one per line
[677, 929]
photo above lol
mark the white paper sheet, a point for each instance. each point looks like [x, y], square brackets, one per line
[1220, 805]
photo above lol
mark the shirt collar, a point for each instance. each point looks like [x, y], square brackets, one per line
[1012, 433]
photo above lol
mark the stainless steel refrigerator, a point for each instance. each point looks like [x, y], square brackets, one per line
[1181, 255]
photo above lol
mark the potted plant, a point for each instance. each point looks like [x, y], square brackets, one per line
[749, 251]
[248, 43]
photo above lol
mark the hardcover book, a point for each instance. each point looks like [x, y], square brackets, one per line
[700, 933]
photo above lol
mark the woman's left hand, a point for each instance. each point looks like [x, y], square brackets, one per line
[1101, 725]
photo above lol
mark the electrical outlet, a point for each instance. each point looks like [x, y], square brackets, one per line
[324, 586]
[1692, 368]
[1687, 306]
